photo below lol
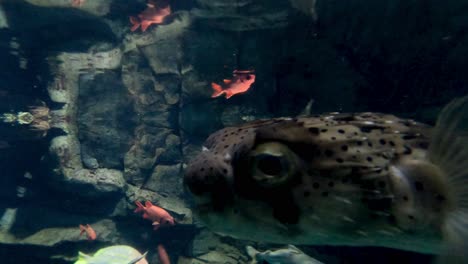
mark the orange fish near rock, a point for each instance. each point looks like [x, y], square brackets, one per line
[155, 214]
[77, 3]
[239, 84]
[163, 256]
[151, 15]
[90, 233]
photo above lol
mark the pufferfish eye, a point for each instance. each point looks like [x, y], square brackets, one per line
[273, 164]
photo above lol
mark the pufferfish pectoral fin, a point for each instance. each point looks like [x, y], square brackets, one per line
[448, 150]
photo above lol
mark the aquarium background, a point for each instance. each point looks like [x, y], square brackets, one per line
[126, 110]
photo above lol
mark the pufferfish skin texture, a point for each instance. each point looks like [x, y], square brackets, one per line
[359, 179]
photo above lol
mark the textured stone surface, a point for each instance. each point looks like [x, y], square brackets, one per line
[242, 15]
[209, 248]
[95, 7]
[166, 180]
[105, 126]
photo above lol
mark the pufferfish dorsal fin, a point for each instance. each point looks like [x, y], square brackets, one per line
[307, 111]
[287, 130]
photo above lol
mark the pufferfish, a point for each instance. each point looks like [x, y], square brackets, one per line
[357, 179]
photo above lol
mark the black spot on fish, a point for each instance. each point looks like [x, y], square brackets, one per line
[328, 153]
[369, 159]
[408, 137]
[419, 186]
[424, 145]
[345, 118]
[344, 148]
[369, 128]
[359, 143]
[391, 143]
[382, 141]
[316, 185]
[314, 130]
[333, 138]
[324, 130]
[408, 150]
[369, 144]
[339, 160]
[411, 217]
[405, 123]
[331, 184]
[405, 198]
[341, 131]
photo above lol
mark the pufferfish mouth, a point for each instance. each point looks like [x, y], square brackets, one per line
[210, 186]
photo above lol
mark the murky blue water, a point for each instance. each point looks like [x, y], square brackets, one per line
[104, 102]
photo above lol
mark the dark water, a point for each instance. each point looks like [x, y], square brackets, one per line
[139, 104]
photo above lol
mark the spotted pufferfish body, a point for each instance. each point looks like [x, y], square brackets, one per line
[338, 179]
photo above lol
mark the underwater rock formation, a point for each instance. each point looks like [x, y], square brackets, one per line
[242, 15]
[136, 109]
[95, 7]
[306, 6]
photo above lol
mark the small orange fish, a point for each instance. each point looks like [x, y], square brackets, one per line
[239, 84]
[163, 256]
[77, 3]
[90, 233]
[155, 214]
[151, 15]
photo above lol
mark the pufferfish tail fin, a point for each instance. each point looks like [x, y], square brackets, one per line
[449, 151]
